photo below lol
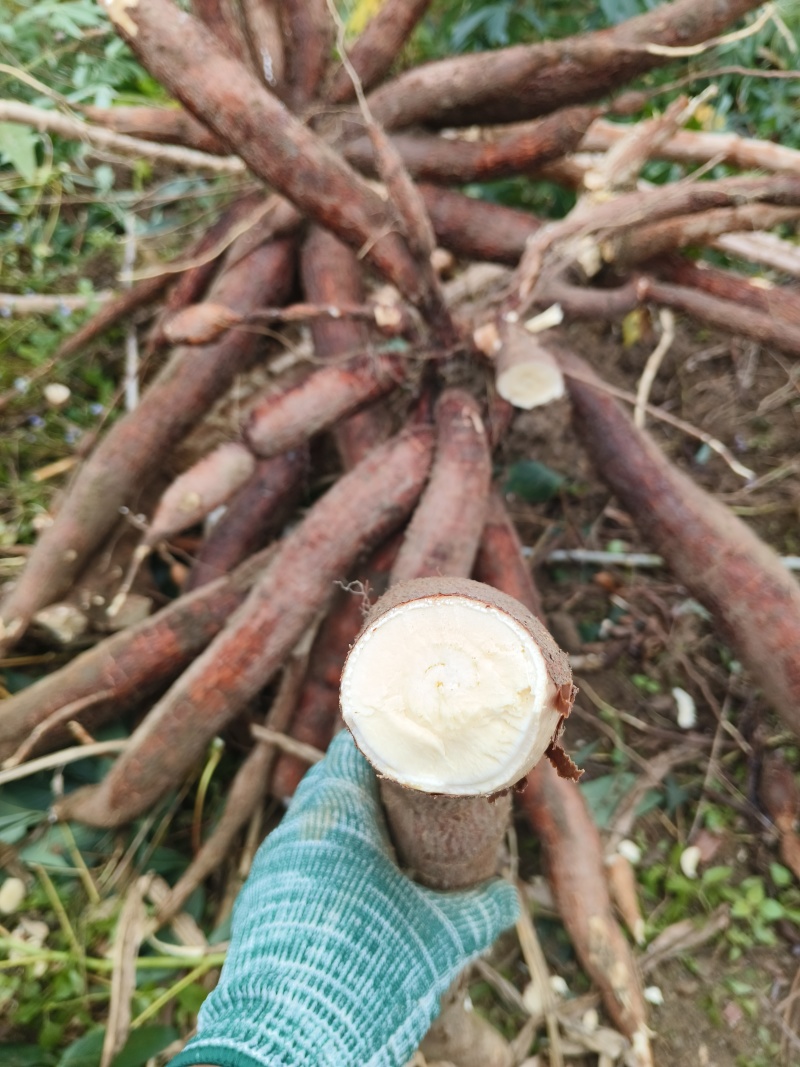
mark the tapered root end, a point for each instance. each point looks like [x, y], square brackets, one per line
[448, 688]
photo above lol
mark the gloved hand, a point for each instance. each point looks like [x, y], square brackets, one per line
[337, 959]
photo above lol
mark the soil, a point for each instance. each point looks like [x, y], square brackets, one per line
[716, 1013]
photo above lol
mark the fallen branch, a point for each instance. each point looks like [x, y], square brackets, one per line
[778, 302]
[362, 508]
[709, 550]
[103, 140]
[112, 476]
[38, 304]
[521, 82]
[692, 146]
[165, 125]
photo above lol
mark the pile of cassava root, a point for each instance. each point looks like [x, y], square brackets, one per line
[347, 239]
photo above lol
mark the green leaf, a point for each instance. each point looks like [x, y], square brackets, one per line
[604, 794]
[18, 145]
[143, 1044]
[780, 875]
[771, 910]
[86, 1051]
[533, 482]
[24, 1056]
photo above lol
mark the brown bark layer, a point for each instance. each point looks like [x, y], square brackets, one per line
[374, 52]
[288, 418]
[308, 33]
[443, 536]
[521, 82]
[476, 229]
[360, 510]
[776, 301]
[253, 516]
[498, 154]
[263, 31]
[573, 853]
[331, 275]
[709, 550]
[500, 561]
[165, 125]
[221, 17]
[733, 317]
[129, 665]
[275, 145]
[112, 476]
[317, 712]
[445, 842]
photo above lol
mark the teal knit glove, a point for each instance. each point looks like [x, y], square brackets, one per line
[337, 958]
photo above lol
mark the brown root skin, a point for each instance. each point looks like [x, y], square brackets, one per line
[111, 478]
[500, 562]
[576, 874]
[308, 33]
[362, 508]
[444, 533]
[331, 275]
[436, 836]
[709, 550]
[287, 419]
[374, 52]
[497, 155]
[476, 229]
[129, 665]
[521, 82]
[277, 147]
[165, 125]
[257, 512]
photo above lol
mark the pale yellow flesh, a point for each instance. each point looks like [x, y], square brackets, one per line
[449, 695]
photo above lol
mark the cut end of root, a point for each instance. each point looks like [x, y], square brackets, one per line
[450, 693]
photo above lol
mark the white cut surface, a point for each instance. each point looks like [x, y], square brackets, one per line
[532, 383]
[449, 695]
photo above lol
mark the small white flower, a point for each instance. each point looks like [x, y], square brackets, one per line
[57, 394]
[687, 710]
[653, 995]
[630, 851]
[690, 858]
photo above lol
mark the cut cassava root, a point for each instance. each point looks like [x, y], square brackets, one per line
[475, 699]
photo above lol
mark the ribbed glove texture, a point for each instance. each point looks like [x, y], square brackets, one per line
[337, 959]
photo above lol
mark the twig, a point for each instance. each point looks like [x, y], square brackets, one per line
[667, 320]
[682, 51]
[132, 147]
[537, 967]
[60, 759]
[672, 420]
[131, 381]
[287, 744]
[36, 304]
